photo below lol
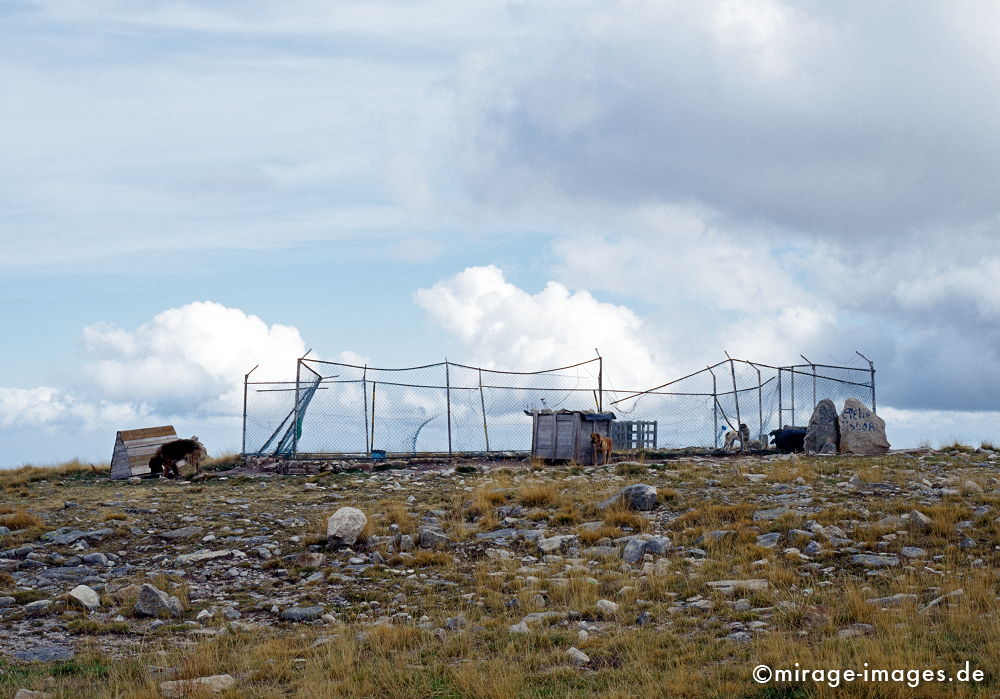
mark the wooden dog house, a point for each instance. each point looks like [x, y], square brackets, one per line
[134, 449]
[564, 435]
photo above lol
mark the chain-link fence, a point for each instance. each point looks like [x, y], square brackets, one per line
[342, 409]
[445, 408]
[697, 409]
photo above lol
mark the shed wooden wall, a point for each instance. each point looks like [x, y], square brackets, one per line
[134, 448]
[565, 436]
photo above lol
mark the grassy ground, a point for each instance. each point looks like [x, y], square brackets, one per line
[808, 605]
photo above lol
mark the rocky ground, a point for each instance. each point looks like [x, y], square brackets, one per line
[670, 578]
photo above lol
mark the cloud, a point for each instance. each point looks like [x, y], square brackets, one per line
[499, 325]
[190, 359]
[185, 363]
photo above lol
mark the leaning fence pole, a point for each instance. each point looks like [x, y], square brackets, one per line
[482, 402]
[246, 382]
[447, 389]
[364, 396]
[736, 398]
[792, 409]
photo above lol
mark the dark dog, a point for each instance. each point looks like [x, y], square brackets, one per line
[602, 445]
[155, 467]
[789, 439]
[172, 454]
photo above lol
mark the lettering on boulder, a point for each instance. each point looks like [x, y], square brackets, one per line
[861, 430]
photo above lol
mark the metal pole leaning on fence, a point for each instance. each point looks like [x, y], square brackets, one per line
[482, 403]
[295, 417]
[246, 382]
[814, 376]
[760, 403]
[781, 405]
[736, 398]
[447, 389]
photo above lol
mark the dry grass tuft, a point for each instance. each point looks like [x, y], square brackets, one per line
[113, 515]
[618, 515]
[538, 494]
[21, 519]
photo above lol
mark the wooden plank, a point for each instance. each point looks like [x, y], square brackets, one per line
[163, 431]
[155, 441]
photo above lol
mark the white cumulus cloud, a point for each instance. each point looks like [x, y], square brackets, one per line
[502, 325]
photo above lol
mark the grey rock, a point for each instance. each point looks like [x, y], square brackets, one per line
[95, 559]
[554, 544]
[44, 654]
[861, 430]
[85, 597]
[644, 619]
[769, 515]
[65, 536]
[66, 573]
[913, 552]
[874, 561]
[344, 526]
[197, 686]
[433, 539]
[769, 541]
[302, 613]
[157, 603]
[182, 533]
[635, 497]
[606, 606]
[823, 432]
[896, 600]
[577, 656]
[634, 551]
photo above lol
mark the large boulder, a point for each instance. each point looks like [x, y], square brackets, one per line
[635, 497]
[344, 526]
[861, 430]
[823, 432]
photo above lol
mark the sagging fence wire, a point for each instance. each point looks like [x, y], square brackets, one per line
[334, 408]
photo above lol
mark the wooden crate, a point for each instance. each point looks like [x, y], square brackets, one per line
[564, 435]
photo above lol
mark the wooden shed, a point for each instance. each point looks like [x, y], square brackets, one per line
[564, 435]
[134, 448]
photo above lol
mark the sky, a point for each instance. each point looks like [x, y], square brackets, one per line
[192, 189]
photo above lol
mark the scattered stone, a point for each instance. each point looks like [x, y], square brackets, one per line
[897, 600]
[769, 541]
[204, 555]
[874, 561]
[302, 613]
[85, 597]
[44, 654]
[918, 521]
[934, 603]
[30, 694]
[751, 585]
[157, 603]
[606, 606]
[577, 657]
[344, 526]
[554, 544]
[913, 552]
[635, 497]
[770, 515]
[433, 539]
[213, 684]
[182, 533]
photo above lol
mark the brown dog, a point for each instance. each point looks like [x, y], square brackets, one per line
[172, 454]
[601, 444]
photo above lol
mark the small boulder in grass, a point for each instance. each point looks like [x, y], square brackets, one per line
[213, 684]
[344, 526]
[640, 497]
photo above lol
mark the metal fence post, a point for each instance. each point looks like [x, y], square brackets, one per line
[871, 368]
[246, 382]
[372, 442]
[447, 388]
[295, 417]
[760, 403]
[792, 409]
[781, 405]
[364, 396]
[715, 409]
[482, 403]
